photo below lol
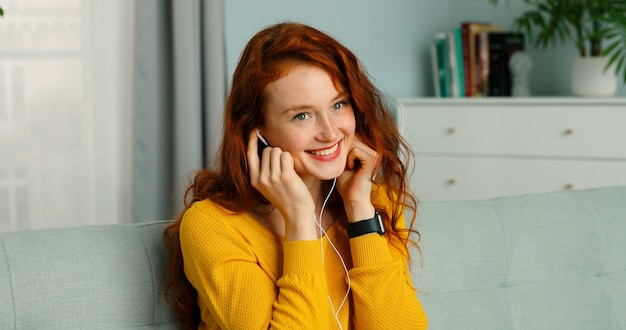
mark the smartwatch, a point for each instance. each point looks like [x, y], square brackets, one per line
[373, 225]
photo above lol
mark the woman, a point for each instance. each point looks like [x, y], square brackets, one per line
[308, 232]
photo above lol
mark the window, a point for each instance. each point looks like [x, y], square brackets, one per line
[60, 152]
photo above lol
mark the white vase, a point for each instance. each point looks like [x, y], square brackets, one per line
[589, 78]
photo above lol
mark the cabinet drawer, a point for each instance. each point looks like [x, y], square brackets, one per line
[516, 128]
[462, 178]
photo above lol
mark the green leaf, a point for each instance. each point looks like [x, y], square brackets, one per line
[611, 47]
[588, 24]
[621, 67]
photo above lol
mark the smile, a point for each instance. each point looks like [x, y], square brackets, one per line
[325, 152]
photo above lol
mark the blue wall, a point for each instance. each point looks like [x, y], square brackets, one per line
[392, 38]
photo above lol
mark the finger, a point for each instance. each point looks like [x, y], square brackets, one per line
[253, 157]
[351, 159]
[266, 155]
[358, 144]
[286, 162]
[364, 154]
[368, 161]
[274, 164]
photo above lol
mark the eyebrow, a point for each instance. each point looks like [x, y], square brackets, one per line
[300, 107]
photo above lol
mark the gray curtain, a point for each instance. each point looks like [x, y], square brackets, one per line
[178, 100]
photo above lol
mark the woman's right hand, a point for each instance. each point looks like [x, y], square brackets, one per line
[274, 176]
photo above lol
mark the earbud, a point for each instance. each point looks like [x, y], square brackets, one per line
[261, 137]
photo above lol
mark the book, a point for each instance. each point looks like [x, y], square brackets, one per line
[459, 63]
[453, 69]
[465, 27]
[435, 69]
[481, 78]
[439, 60]
[501, 46]
[469, 30]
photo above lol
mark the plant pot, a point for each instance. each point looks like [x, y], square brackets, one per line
[589, 79]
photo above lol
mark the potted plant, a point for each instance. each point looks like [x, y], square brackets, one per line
[596, 27]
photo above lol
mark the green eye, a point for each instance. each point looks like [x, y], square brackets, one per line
[300, 116]
[338, 105]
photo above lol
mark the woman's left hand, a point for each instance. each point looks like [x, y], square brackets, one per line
[355, 183]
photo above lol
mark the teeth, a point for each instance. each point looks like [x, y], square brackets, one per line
[326, 152]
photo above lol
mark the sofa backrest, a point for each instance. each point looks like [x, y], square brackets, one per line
[541, 261]
[106, 277]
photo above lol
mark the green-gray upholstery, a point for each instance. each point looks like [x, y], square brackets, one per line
[106, 277]
[541, 261]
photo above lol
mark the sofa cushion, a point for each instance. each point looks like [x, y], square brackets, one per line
[539, 261]
[86, 277]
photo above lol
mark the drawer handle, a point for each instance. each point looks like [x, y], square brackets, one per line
[569, 186]
[451, 181]
[568, 131]
[451, 130]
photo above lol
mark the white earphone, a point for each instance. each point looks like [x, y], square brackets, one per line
[323, 232]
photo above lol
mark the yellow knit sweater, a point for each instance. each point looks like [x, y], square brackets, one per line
[247, 277]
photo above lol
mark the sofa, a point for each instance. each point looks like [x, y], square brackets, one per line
[538, 261]
[93, 277]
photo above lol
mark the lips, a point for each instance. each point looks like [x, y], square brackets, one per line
[325, 152]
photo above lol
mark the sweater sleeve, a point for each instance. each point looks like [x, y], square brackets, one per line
[237, 293]
[384, 296]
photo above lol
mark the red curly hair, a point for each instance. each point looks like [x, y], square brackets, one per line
[262, 62]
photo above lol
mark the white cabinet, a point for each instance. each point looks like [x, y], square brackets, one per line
[476, 148]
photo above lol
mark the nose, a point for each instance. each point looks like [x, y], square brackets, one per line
[327, 129]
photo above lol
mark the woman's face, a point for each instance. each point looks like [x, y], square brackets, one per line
[308, 117]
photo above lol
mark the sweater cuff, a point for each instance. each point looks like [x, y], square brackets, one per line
[369, 250]
[302, 257]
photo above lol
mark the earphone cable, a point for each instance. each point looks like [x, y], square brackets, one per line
[343, 263]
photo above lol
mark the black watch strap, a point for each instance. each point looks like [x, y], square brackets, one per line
[373, 225]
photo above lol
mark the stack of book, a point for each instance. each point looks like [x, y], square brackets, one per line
[472, 60]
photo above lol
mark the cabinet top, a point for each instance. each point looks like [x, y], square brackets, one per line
[577, 101]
